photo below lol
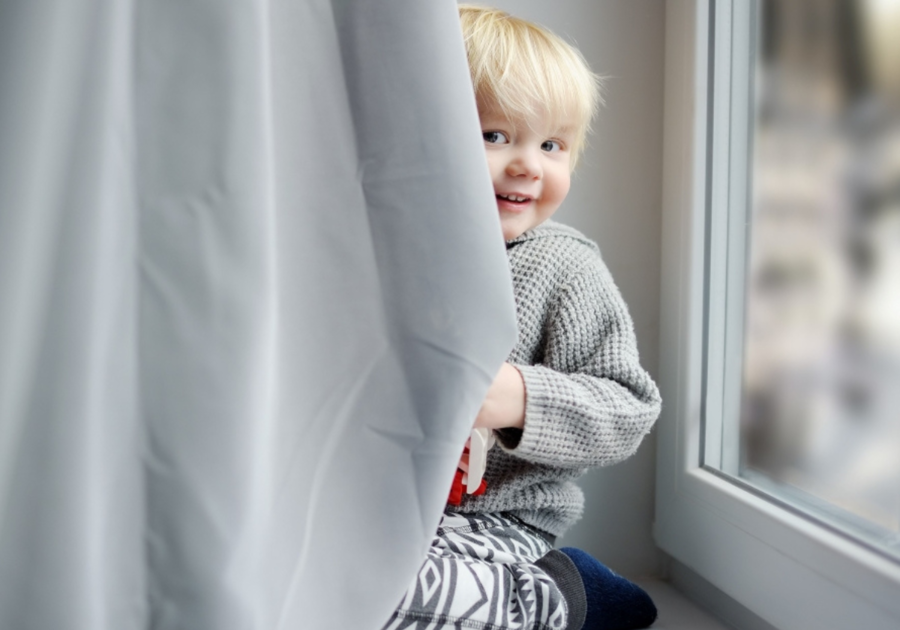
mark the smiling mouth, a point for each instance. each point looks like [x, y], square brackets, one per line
[513, 198]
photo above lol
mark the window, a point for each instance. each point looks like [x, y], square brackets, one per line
[812, 388]
[779, 446]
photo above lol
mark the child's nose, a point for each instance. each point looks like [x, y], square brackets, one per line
[525, 163]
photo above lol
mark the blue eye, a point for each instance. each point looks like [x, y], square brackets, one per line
[550, 146]
[495, 137]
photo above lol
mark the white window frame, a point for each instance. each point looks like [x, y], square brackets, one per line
[788, 569]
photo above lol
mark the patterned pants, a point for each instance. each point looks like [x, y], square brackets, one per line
[480, 573]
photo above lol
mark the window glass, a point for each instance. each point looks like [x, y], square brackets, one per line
[820, 401]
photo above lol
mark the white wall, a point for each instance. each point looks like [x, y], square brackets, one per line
[615, 199]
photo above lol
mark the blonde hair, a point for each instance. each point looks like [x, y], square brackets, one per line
[524, 70]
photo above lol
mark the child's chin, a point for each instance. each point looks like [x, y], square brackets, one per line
[511, 233]
[514, 229]
[511, 228]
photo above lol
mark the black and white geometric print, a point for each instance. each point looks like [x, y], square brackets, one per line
[480, 574]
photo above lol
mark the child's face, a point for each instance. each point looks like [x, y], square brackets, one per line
[530, 167]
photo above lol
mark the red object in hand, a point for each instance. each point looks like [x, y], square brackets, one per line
[458, 488]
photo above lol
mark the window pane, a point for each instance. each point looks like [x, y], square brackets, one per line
[820, 406]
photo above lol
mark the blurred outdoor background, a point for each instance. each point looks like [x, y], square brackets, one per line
[821, 391]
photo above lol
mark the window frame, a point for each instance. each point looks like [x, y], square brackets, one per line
[788, 569]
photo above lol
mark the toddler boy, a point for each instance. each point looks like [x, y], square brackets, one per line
[572, 394]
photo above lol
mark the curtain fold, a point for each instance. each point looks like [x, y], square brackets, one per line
[252, 292]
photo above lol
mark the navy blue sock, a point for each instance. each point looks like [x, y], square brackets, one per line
[613, 603]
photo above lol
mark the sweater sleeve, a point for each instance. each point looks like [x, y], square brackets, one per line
[589, 402]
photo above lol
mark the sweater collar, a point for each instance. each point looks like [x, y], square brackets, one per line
[547, 227]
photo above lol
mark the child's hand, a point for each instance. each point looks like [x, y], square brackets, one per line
[504, 405]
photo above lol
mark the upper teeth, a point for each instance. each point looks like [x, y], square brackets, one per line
[514, 198]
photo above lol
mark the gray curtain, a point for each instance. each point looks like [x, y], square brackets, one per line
[252, 291]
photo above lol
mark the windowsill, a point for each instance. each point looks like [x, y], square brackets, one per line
[686, 601]
[676, 611]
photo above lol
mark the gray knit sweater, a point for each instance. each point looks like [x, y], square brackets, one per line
[588, 401]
